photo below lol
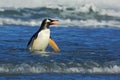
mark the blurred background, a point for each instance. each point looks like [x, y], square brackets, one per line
[69, 12]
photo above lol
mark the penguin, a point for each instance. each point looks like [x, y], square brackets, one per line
[40, 40]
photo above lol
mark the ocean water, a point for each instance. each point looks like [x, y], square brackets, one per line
[87, 34]
[85, 52]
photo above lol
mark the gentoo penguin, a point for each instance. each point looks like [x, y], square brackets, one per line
[40, 40]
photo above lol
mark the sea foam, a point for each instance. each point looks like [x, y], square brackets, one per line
[77, 13]
[57, 68]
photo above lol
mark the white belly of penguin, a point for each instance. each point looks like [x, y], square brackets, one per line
[42, 40]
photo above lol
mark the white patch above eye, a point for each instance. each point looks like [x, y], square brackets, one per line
[47, 20]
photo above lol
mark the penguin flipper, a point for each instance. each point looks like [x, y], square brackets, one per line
[31, 40]
[53, 45]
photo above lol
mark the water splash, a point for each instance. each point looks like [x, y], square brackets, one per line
[77, 13]
[58, 68]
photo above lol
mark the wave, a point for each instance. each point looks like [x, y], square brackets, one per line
[83, 12]
[58, 68]
[57, 3]
[85, 15]
[62, 22]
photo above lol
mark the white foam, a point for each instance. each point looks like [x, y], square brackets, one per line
[56, 3]
[10, 21]
[99, 8]
[86, 7]
[89, 23]
[112, 69]
[109, 12]
[57, 68]
[63, 23]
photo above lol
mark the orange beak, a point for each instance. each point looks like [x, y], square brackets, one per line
[54, 22]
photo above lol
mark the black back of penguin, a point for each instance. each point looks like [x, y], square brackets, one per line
[45, 24]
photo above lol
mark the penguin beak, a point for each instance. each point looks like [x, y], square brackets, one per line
[54, 22]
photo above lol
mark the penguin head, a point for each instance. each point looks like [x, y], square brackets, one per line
[47, 22]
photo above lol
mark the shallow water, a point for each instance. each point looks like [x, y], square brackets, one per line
[61, 77]
[88, 36]
[86, 53]
[83, 50]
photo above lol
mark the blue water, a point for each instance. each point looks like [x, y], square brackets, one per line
[82, 15]
[92, 51]
[87, 34]
[62, 77]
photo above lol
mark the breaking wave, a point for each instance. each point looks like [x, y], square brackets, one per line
[62, 23]
[85, 15]
[85, 68]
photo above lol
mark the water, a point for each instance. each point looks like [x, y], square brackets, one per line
[87, 34]
[76, 13]
[84, 51]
